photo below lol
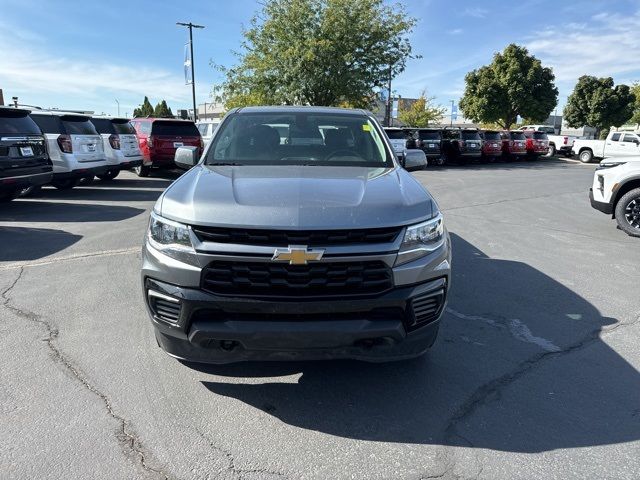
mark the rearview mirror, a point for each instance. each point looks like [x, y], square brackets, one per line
[186, 157]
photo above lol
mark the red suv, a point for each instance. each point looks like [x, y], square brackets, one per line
[514, 145]
[491, 145]
[537, 143]
[160, 137]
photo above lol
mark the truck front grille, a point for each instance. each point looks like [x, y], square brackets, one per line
[267, 279]
[277, 238]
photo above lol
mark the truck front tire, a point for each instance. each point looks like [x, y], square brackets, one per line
[586, 156]
[628, 213]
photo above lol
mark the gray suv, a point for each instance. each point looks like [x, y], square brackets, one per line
[296, 236]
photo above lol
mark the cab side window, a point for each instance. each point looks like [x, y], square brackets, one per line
[615, 137]
[630, 138]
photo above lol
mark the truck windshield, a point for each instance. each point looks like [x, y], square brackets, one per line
[470, 135]
[396, 134]
[492, 136]
[426, 135]
[276, 138]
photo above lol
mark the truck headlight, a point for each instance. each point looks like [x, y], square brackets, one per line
[609, 164]
[171, 238]
[422, 239]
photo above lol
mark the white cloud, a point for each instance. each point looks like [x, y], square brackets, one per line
[476, 12]
[31, 68]
[455, 31]
[607, 46]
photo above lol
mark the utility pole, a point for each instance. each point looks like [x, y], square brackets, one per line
[118, 106]
[191, 26]
[387, 113]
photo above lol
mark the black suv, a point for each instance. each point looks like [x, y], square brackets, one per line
[461, 144]
[24, 162]
[429, 140]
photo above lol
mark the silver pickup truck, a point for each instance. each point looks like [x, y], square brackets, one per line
[297, 235]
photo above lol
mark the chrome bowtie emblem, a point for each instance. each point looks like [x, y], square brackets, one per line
[297, 255]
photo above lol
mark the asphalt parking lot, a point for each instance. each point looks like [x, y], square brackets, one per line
[534, 374]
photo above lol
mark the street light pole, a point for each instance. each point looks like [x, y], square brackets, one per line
[118, 106]
[191, 26]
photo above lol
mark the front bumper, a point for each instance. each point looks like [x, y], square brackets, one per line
[213, 328]
[604, 207]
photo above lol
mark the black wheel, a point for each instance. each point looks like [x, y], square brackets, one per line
[109, 175]
[628, 213]
[586, 156]
[142, 170]
[66, 184]
[552, 150]
[9, 195]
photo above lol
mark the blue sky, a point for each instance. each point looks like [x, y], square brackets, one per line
[86, 54]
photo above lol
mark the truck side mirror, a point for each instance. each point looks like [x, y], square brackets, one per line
[186, 157]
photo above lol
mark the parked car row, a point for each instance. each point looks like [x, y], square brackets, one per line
[39, 147]
[461, 145]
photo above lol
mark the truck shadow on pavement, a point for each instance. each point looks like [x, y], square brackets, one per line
[519, 366]
[22, 244]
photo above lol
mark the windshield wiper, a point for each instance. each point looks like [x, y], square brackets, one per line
[225, 164]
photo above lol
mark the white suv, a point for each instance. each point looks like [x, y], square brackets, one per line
[74, 146]
[616, 191]
[206, 128]
[120, 145]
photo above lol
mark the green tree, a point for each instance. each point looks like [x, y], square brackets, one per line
[635, 89]
[597, 103]
[145, 110]
[421, 112]
[318, 52]
[162, 110]
[515, 83]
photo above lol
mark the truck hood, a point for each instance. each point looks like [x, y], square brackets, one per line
[296, 197]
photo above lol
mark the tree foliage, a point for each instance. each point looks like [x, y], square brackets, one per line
[597, 103]
[635, 89]
[318, 52]
[421, 113]
[144, 110]
[515, 83]
[162, 110]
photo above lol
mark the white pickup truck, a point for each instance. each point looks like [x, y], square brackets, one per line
[617, 144]
[557, 143]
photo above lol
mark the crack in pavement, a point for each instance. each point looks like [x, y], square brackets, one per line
[49, 261]
[517, 328]
[231, 467]
[124, 435]
[491, 390]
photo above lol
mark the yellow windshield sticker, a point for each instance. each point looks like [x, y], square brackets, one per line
[366, 127]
